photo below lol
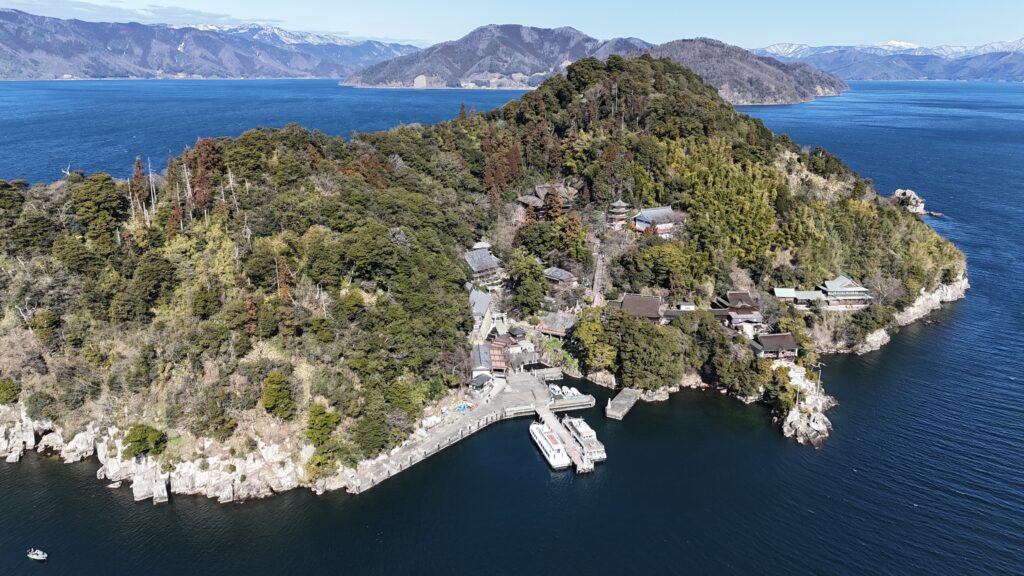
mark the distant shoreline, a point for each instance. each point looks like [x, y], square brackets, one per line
[164, 78]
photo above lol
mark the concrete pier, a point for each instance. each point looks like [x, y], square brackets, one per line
[545, 374]
[521, 394]
[623, 402]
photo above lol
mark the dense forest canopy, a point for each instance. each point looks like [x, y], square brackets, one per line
[284, 269]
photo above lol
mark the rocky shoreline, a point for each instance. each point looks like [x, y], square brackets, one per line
[273, 468]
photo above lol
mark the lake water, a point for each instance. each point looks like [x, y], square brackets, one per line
[924, 472]
[102, 125]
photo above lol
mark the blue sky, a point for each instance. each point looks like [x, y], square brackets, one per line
[747, 23]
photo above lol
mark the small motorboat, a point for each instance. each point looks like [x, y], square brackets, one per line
[37, 555]
[114, 485]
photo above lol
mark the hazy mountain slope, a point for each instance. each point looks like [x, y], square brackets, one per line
[745, 78]
[996, 61]
[494, 56]
[37, 47]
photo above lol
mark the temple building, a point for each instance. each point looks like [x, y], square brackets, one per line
[662, 218]
[618, 213]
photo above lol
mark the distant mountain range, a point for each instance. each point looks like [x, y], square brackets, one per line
[998, 61]
[495, 56]
[37, 47]
[512, 56]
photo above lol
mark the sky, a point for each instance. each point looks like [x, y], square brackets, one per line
[747, 23]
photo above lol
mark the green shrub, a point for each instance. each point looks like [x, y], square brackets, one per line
[144, 439]
[277, 396]
[205, 302]
[321, 424]
[9, 391]
[44, 324]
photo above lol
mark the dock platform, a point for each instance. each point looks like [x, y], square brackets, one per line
[623, 402]
[582, 463]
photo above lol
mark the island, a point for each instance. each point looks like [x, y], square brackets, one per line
[290, 309]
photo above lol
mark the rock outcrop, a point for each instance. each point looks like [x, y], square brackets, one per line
[806, 422]
[267, 470]
[81, 446]
[50, 442]
[910, 201]
[693, 381]
[659, 395]
[873, 341]
[603, 378]
[927, 302]
[18, 433]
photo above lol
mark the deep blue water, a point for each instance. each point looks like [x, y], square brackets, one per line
[924, 473]
[102, 125]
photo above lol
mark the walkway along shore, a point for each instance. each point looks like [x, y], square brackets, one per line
[523, 394]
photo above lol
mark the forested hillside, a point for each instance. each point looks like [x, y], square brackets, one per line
[746, 78]
[287, 282]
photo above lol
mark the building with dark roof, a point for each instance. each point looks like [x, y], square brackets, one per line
[775, 346]
[481, 380]
[739, 311]
[560, 277]
[641, 306]
[663, 218]
[537, 199]
[480, 358]
[481, 305]
[557, 324]
[486, 267]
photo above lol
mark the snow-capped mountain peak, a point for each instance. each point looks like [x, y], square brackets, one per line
[275, 35]
[785, 49]
[897, 45]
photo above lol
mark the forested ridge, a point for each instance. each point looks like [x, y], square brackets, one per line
[293, 283]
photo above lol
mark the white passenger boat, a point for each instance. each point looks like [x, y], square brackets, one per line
[586, 437]
[550, 446]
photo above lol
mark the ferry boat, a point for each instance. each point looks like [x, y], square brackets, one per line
[550, 446]
[586, 437]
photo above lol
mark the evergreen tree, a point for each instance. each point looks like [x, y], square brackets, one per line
[526, 279]
[277, 396]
